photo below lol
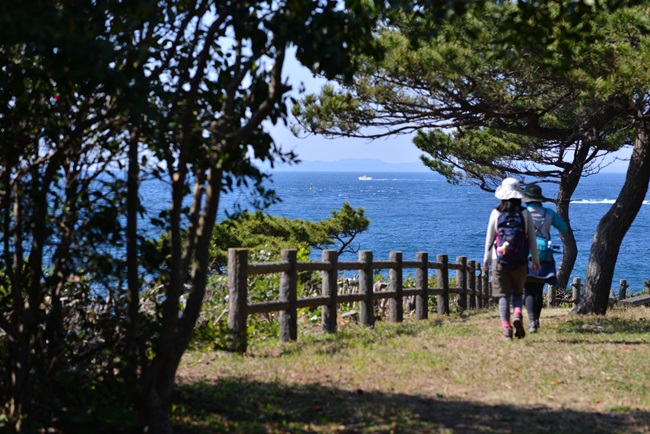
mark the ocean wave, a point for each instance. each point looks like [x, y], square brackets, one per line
[600, 201]
[370, 178]
[593, 201]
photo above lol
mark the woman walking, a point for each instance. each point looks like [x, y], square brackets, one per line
[543, 219]
[509, 239]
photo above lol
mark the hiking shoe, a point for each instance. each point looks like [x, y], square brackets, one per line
[532, 326]
[507, 333]
[518, 323]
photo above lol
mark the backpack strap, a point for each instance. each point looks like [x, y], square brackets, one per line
[541, 223]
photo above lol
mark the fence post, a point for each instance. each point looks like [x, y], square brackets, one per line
[288, 286]
[461, 279]
[575, 293]
[622, 291]
[422, 282]
[367, 305]
[551, 295]
[443, 284]
[487, 286]
[471, 274]
[479, 284]
[329, 311]
[238, 298]
[396, 304]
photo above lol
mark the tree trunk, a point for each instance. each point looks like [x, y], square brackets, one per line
[569, 256]
[614, 225]
[568, 185]
[158, 379]
[133, 294]
[154, 408]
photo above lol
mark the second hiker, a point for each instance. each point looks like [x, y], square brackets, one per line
[543, 219]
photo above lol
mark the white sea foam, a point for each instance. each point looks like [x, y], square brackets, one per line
[370, 178]
[600, 201]
[593, 201]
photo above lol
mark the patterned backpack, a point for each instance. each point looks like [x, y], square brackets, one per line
[511, 242]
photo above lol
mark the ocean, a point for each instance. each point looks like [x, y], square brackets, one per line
[420, 212]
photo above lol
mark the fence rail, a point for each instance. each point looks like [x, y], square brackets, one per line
[473, 290]
[576, 292]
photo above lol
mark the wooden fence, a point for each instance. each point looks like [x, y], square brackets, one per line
[621, 298]
[472, 290]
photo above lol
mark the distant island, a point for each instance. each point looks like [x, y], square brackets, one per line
[353, 165]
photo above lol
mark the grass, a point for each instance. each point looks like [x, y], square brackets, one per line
[579, 374]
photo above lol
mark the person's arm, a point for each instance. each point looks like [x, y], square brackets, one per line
[532, 240]
[557, 221]
[489, 238]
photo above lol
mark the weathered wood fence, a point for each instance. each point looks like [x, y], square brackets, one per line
[472, 290]
[621, 298]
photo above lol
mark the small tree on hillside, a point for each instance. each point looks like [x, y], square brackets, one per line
[342, 229]
[259, 231]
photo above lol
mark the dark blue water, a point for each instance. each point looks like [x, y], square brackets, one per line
[420, 212]
[413, 212]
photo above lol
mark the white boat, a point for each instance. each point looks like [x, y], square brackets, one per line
[365, 178]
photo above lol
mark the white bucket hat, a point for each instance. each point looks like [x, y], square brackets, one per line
[509, 189]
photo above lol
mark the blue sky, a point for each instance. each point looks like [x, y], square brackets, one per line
[399, 149]
[317, 148]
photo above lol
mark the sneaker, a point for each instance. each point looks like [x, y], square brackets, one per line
[536, 324]
[532, 326]
[507, 333]
[518, 323]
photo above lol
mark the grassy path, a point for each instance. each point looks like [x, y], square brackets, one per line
[445, 375]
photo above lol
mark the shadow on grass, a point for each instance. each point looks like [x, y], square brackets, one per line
[604, 325]
[602, 342]
[239, 406]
